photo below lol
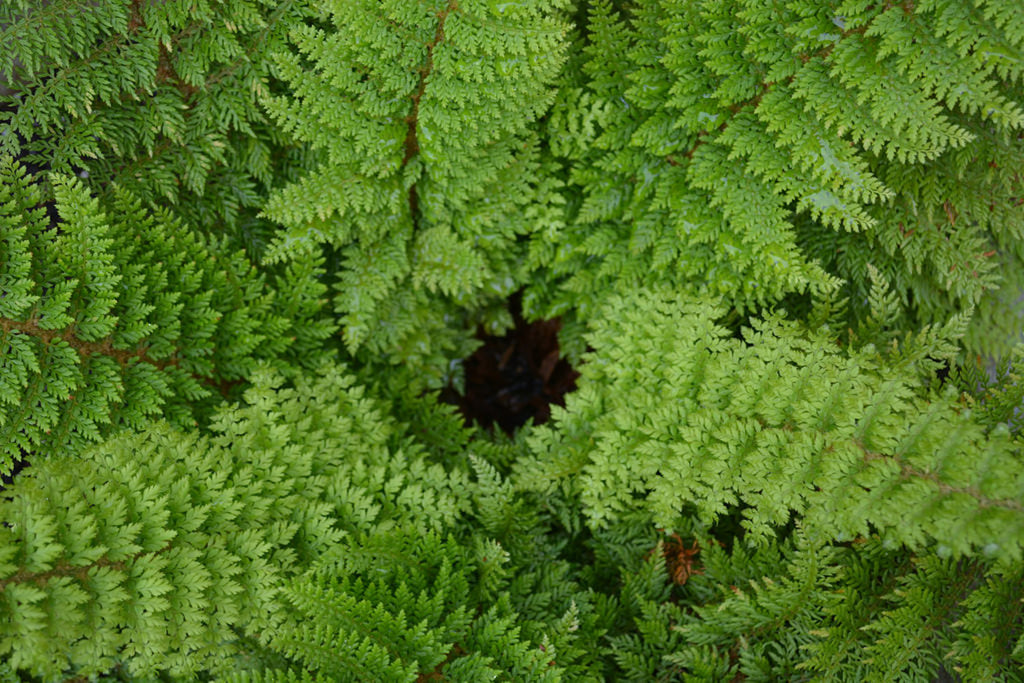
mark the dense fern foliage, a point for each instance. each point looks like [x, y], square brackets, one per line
[244, 244]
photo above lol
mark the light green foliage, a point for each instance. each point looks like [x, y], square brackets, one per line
[148, 549]
[673, 414]
[429, 168]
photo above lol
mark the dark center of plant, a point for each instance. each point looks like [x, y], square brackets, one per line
[515, 377]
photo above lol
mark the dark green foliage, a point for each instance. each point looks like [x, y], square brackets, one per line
[382, 615]
[244, 245]
[114, 315]
[157, 97]
[753, 150]
[858, 612]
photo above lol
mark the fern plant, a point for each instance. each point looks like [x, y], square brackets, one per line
[245, 243]
[422, 117]
[758, 151]
[160, 98]
[146, 551]
[785, 422]
[114, 315]
[396, 618]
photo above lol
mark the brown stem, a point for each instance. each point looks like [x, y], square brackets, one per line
[412, 145]
[81, 573]
[84, 348]
[105, 347]
[907, 472]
